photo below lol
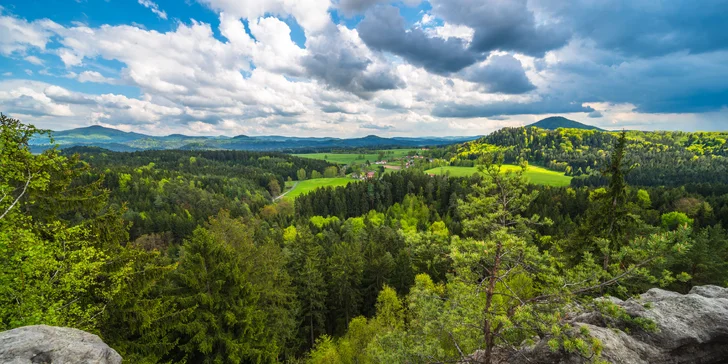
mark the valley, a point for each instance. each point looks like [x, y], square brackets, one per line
[320, 252]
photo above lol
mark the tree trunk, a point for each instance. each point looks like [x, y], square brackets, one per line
[488, 336]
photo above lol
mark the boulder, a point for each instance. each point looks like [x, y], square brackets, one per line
[691, 329]
[54, 345]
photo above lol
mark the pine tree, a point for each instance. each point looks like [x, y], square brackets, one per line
[225, 324]
[307, 270]
[345, 267]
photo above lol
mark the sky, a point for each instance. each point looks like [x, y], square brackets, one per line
[349, 68]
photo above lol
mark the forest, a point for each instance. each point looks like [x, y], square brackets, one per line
[660, 158]
[185, 256]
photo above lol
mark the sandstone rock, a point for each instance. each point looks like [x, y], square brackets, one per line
[692, 329]
[54, 345]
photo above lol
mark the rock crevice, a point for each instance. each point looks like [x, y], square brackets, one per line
[691, 329]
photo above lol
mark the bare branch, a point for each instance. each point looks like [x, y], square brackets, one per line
[25, 188]
[462, 356]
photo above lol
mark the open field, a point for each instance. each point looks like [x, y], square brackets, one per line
[535, 174]
[348, 158]
[309, 185]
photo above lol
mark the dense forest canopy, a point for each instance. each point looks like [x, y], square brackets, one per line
[185, 256]
[659, 158]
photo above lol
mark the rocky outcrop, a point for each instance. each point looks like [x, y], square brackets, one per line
[54, 345]
[691, 329]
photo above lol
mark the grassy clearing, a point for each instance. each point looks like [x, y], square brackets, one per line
[349, 158]
[309, 185]
[535, 174]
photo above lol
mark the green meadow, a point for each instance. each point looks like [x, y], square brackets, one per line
[535, 174]
[349, 158]
[309, 185]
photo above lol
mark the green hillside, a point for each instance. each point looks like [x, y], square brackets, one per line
[303, 187]
[534, 174]
[555, 122]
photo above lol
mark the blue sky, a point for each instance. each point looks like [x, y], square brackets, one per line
[359, 67]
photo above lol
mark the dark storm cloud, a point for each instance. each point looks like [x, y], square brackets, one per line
[507, 25]
[676, 83]
[502, 74]
[696, 102]
[342, 69]
[383, 29]
[351, 7]
[644, 28]
[547, 106]
[663, 57]
[595, 114]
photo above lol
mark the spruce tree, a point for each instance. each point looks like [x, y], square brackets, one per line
[225, 324]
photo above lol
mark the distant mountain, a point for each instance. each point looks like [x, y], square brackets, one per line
[96, 134]
[120, 141]
[556, 122]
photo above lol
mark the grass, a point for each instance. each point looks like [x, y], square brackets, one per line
[349, 158]
[309, 185]
[535, 174]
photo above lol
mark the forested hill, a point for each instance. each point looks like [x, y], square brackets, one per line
[174, 191]
[120, 141]
[555, 122]
[183, 256]
[659, 158]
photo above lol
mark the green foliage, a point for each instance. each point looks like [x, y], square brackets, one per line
[307, 269]
[274, 188]
[366, 339]
[301, 174]
[331, 172]
[672, 220]
[215, 272]
[665, 158]
[228, 298]
[66, 261]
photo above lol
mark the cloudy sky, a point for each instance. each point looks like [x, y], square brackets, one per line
[357, 67]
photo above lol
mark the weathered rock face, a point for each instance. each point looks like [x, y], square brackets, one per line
[692, 329]
[54, 345]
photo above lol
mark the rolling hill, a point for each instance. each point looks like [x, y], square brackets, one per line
[120, 141]
[555, 122]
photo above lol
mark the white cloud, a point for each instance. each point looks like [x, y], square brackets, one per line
[28, 98]
[19, 35]
[34, 60]
[426, 19]
[448, 30]
[154, 8]
[93, 76]
[312, 15]
[259, 81]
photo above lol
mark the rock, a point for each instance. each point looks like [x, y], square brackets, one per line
[692, 329]
[54, 345]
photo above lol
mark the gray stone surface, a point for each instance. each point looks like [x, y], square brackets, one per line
[692, 329]
[54, 345]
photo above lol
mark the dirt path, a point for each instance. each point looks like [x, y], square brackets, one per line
[285, 193]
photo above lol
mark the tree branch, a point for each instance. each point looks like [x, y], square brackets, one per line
[25, 188]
